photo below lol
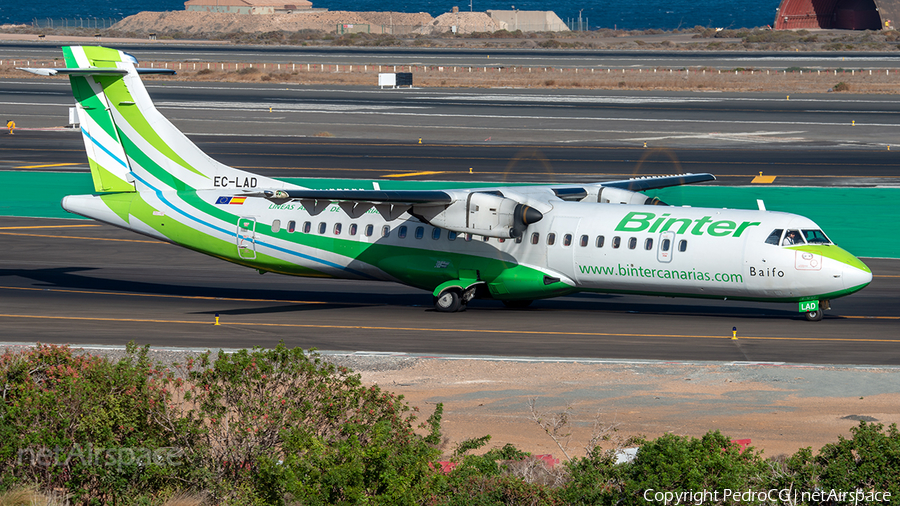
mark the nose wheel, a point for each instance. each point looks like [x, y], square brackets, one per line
[814, 316]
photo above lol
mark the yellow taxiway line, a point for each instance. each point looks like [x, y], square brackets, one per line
[410, 174]
[49, 165]
[86, 238]
[47, 226]
[441, 329]
[163, 296]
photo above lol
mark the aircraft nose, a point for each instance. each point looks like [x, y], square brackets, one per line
[856, 278]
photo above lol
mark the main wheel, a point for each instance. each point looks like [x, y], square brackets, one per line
[447, 302]
[814, 316]
[517, 304]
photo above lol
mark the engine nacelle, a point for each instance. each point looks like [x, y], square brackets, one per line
[484, 214]
[619, 196]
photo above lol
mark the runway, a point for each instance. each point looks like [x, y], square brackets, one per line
[569, 117]
[67, 281]
[76, 281]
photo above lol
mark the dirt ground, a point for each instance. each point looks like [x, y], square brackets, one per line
[780, 408]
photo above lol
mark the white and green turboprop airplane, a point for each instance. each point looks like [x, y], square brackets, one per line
[511, 243]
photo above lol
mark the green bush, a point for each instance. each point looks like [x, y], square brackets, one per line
[282, 421]
[868, 461]
[85, 424]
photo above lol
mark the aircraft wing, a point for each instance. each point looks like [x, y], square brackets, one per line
[654, 182]
[372, 196]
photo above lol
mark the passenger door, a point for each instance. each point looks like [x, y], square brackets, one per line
[246, 238]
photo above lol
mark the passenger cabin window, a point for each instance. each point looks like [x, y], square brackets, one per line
[468, 237]
[352, 229]
[648, 244]
[567, 240]
[337, 228]
[451, 236]
[682, 246]
[420, 232]
[370, 229]
[632, 243]
[551, 238]
[617, 241]
[386, 231]
[535, 238]
[292, 225]
[584, 241]
[501, 240]
[775, 236]
[401, 232]
[600, 240]
[276, 226]
[436, 234]
[666, 244]
[322, 227]
[792, 238]
[307, 226]
[815, 237]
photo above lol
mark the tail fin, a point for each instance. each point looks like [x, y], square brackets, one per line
[130, 144]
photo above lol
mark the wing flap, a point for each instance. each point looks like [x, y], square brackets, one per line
[408, 197]
[654, 182]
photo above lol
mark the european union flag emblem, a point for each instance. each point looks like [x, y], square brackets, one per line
[223, 200]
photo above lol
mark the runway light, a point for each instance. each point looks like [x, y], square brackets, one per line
[470, 170]
[420, 140]
[734, 333]
[853, 123]
[217, 319]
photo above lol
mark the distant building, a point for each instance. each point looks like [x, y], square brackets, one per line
[248, 6]
[839, 14]
[529, 21]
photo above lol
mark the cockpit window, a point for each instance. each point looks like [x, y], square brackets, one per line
[815, 237]
[775, 236]
[792, 238]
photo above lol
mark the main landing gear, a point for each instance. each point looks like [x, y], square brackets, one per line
[452, 300]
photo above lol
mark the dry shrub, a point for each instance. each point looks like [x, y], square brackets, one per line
[185, 500]
[534, 470]
[324, 134]
[841, 86]
[26, 496]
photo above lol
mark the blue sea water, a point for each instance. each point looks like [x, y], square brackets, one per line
[635, 15]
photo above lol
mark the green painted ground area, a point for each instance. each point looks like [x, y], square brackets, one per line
[38, 194]
[861, 220]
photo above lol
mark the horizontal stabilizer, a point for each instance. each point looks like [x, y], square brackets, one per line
[654, 182]
[92, 71]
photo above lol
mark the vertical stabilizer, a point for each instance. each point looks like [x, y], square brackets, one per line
[109, 165]
[130, 144]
